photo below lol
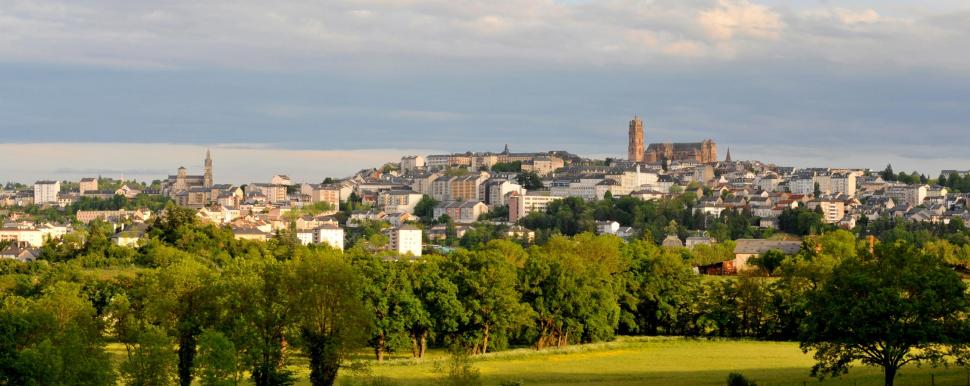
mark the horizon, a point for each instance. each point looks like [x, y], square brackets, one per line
[237, 165]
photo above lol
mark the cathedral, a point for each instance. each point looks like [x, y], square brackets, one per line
[701, 152]
[183, 182]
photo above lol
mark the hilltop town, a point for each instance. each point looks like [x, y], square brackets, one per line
[438, 201]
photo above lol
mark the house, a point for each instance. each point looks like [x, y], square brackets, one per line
[647, 194]
[20, 252]
[127, 191]
[672, 241]
[249, 233]
[87, 185]
[747, 248]
[130, 237]
[607, 227]
[520, 233]
[699, 240]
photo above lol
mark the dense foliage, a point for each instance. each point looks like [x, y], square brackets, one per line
[199, 306]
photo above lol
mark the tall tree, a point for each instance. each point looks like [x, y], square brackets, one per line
[486, 288]
[55, 339]
[180, 297]
[256, 309]
[331, 318]
[900, 307]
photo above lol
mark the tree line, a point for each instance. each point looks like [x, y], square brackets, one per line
[205, 307]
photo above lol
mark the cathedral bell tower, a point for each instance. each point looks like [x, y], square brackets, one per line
[635, 148]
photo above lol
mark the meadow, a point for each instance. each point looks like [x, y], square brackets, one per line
[644, 361]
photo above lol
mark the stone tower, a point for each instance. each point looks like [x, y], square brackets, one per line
[635, 149]
[207, 177]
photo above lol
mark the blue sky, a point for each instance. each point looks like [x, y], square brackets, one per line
[804, 83]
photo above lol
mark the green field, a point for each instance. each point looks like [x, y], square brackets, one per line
[634, 361]
[654, 361]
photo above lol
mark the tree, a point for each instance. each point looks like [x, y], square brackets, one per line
[52, 340]
[216, 361]
[768, 261]
[509, 167]
[439, 312]
[256, 300]
[425, 209]
[387, 295]
[888, 174]
[900, 307]
[659, 284]
[331, 319]
[529, 180]
[180, 298]
[486, 288]
[818, 190]
[151, 361]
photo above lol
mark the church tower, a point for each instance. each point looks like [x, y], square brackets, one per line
[207, 178]
[635, 148]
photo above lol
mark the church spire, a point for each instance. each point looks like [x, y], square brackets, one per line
[728, 158]
[207, 177]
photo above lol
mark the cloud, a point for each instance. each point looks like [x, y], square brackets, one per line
[316, 36]
[740, 18]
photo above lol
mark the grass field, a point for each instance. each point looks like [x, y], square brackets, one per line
[650, 361]
[633, 361]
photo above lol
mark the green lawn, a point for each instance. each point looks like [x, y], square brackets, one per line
[634, 361]
[654, 361]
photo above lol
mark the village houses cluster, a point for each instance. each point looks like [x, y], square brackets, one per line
[465, 186]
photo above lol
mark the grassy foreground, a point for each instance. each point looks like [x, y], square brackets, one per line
[633, 361]
[653, 361]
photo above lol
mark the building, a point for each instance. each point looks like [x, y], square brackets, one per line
[20, 252]
[86, 216]
[745, 249]
[274, 193]
[464, 212]
[635, 152]
[398, 201]
[412, 162]
[182, 181]
[701, 152]
[520, 205]
[832, 210]
[45, 192]
[543, 165]
[87, 185]
[281, 179]
[31, 234]
[494, 191]
[405, 240]
[911, 194]
[331, 235]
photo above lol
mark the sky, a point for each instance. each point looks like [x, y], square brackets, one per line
[323, 88]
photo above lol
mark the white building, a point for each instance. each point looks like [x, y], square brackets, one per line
[412, 162]
[405, 240]
[45, 192]
[398, 201]
[331, 235]
[521, 205]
